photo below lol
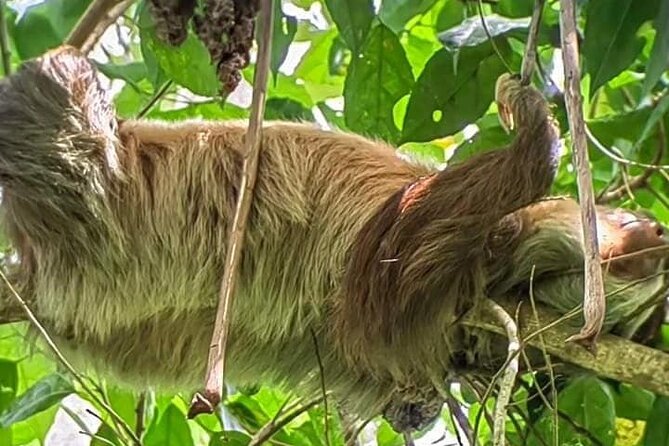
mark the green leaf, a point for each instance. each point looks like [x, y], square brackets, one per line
[286, 109]
[105, 436]
[285, 28]
[445, 98]
[9, 381]
[633, 403]
[229, 438]
[171, 430]
[377, 79]
[396, 13]
[471, 32]
[655, 117]
[209, 110]
[46, 25]
[188, 65]
[42, 395]
[514, 8]
[659, 55]
[610, 43]
[132, 72]
[588, 402]
[657, 428]
[319, 82]
[353, 19]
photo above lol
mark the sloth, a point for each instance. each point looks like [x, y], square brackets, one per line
[121, 229]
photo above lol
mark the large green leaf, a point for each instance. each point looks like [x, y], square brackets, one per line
[284, 31]
[610, 43]
[9, 381]
[171, 430]
[657, 428]
[588, 402]
[353, 19]
[454, 90]
[377, 79]
[659, 56]
[472, 33]
[46, 25]
[396, 13]
[41, 396]
[314, 72]
[188, 65]
[633, 403]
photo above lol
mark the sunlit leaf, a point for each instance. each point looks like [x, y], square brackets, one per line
[383, 65]
[171, 430]
[41, 396]
[659, 56]
[610, 43]
[353, 19]
[471, 32]
[285, 27]
[396, 13]
[46, 25]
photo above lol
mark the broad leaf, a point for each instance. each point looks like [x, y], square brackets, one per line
[659, 56]
[377, 79]
[283, 33]
[171, 430]
[588, 402]
[353, 19]
[454, 90]
[610, 43]
[633, 403]
[189, 65]
[471, 32]
[41, 396]
[396, 13]
[657, 428]
[46, 25]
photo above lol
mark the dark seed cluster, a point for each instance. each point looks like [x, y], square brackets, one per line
[224, 26]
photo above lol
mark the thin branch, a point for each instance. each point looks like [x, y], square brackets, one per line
[140, 415]
[154, 99]
[87, 23]
[213, 392]
[408, 439]
[530, 56]
[594, 306]
[321, 371]
[68, 366]
[484, 24]
[105, 21]
[458, 416]
[274, 426]
[641, 180]
[5, 53]
[510, 372]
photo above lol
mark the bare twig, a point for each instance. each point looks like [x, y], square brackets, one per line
[68, 366]
[84, 28]
[274, 426]
[510, 372]
[640, 180]
[321, 371]
[104, 22]
[594, 302]
[459, 417]
[140, 414]
[154, 99]
[5, 53]
[484, 24]
[530, 56]
[213, 392]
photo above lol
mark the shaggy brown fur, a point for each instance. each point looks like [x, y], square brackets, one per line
[122, 230]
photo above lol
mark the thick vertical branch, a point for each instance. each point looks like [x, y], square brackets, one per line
[213, 392]
[594, 302]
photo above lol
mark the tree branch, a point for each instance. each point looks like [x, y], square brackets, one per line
[594, 305]
[530, 56]
[275, 425]
[213, 392]
[88, 30]
[643, 366]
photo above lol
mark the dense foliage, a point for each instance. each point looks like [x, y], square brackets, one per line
[419, 74]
